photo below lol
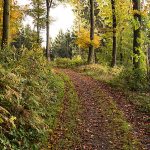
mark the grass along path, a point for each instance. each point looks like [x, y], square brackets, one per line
[66, 136]
[101, 125]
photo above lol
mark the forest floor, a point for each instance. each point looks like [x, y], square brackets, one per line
[105, 121]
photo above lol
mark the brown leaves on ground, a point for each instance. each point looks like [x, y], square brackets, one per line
[98, 125]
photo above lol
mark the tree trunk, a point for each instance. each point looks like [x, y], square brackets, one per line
[136, 35]
[6, 22]
[120, 47]
[149, 55]
[95, 57]
[114, 47]
[38, 25]
[148, 62]
[38, 34]
[91, 48]
[79, 22]
[48, 6]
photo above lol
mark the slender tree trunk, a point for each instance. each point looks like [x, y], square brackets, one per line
[136, 35]
[120, 47]
[38, 26]
[148, 62]
[91, 48]
[67, 47]
[95, 57]
[48, 6]
[149, 54]
[114, 48]
[38, 34]
[79, 22]
[6, 22]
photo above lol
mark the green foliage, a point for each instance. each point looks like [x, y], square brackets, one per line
[134, 83]
[26, 38]
[69, 63]
[136, 86]
[30, 100]
[38, 12]
[63, 45]
[129, 79]
[101, 72]
[141, 101]
[135, 80]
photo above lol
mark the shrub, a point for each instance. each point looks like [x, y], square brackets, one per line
[30, 99]
[135, 80]
[69, 63]
[101, 72]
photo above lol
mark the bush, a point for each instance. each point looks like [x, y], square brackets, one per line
[30, 100]
[135, 80]
[137, 87]
[69, 63]
[100, 72]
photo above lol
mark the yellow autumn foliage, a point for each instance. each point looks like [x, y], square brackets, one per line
[83, 39]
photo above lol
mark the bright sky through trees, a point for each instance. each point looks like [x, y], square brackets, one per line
[62, 15]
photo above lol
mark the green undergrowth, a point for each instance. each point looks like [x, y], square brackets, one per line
[69, 118]
[140, 100]
[68, 63]
[120, 130]
[133, 83]
[30, 100]
[100, 72]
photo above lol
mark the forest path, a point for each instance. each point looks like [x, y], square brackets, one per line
[92, 128]
[103, 124]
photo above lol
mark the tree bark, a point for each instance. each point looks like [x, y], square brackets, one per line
[149, 54]
[91, 47]
[114, 46]
[120, 46]
[136, 34]
[79, 22]
[95, 57]
[6, 23]
[38, 34]
[48, 6]
[148, 61]
[38, 25]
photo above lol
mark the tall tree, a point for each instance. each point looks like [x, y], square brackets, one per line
[63, 45]
[6, 23]
[136, 33]
[16, 15]
[25, 38]
[91, 47]
[48, 7]
[114, 25]
[38, 15]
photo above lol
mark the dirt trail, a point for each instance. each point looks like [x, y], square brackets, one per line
[92, 132]
[93, 128]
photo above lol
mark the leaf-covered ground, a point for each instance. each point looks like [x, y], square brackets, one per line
[104, 121]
